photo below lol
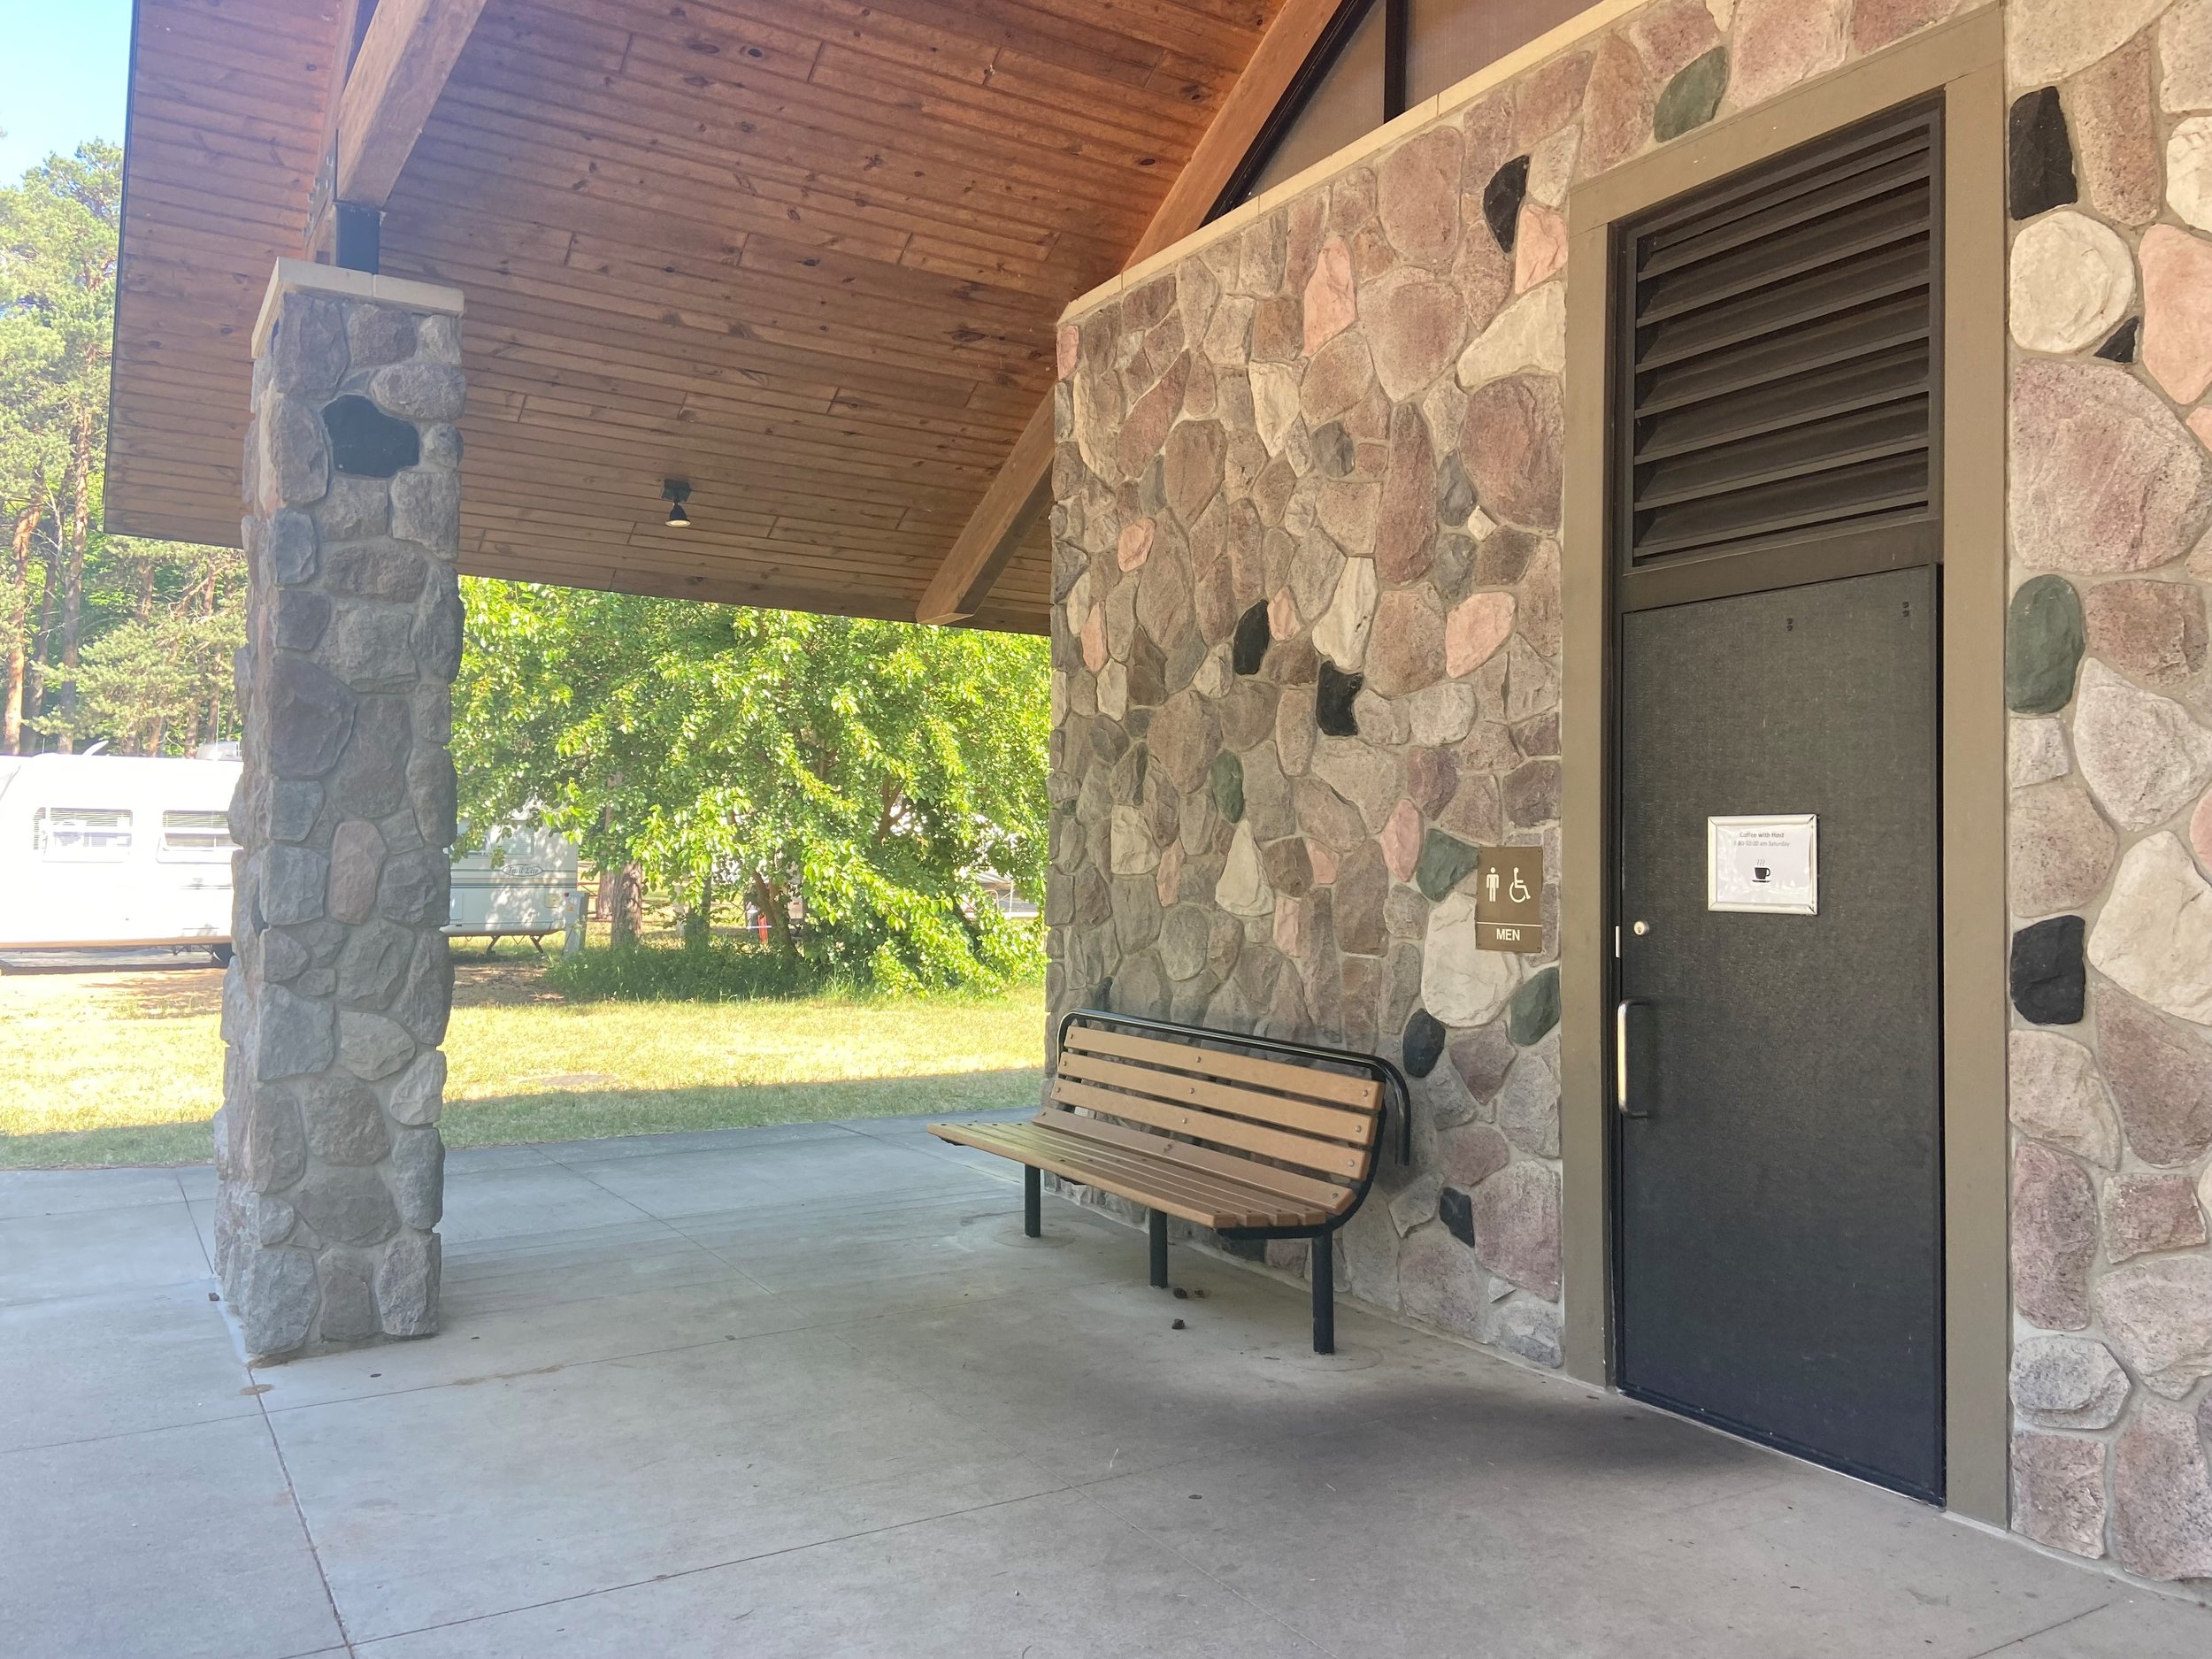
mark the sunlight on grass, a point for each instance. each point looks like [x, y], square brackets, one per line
[127, 1068]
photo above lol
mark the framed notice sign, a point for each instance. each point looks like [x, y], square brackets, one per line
[1763, 864]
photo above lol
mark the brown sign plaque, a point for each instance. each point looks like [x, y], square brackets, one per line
[1510, 898]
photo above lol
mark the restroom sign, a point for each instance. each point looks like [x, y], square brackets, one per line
[1763, 864]
[1510, 898]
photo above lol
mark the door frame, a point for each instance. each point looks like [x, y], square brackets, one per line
[1963, 58]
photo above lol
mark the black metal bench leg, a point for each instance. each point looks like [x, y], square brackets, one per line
[1322, 1267]
[1033, 1201]
[1159, 1250]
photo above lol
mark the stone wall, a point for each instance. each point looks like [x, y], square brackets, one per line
[1307, 625]
[2110, 826]
[329, 1164]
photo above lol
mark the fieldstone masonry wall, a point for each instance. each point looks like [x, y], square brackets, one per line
[2110, 826]
[1307, 629]
[1306, 645]
[329, 1163]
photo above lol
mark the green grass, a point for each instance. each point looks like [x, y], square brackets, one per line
[100, 1068]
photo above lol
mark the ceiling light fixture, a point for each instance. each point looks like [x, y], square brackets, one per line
[677, 491]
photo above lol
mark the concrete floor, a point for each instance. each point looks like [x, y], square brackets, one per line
[808, 1392]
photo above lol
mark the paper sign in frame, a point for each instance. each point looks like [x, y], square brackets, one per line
[1809, 822]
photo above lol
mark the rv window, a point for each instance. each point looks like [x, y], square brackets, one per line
[195, 837]
[74, 835]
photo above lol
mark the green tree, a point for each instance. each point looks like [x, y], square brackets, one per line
[871, 771]
[79, 609]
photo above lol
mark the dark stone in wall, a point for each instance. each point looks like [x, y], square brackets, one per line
[1225, 779]
[2044, 640]
[301, 617]
[1249, 648]
[2120, 348]
[2048, 980]
[1692, 97]
[1534, 1009]
[1424, 1043]
[311, 715]
[1456, 1211]
[1333, 450]
[2040, 156]
[1454, 493]
[1502, 200]
[366, 442]
[1333, 701]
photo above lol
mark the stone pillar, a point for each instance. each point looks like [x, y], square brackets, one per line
[330, 1167]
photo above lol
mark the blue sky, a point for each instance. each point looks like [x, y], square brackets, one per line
[68, 63]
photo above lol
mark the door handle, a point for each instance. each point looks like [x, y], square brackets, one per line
[1620, 1056]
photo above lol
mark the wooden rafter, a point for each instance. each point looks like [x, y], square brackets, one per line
[406, 54]
[1022, 488]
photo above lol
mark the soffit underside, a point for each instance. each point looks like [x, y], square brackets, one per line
[807, 255]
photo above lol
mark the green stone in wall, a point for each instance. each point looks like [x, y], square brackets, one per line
[1692, 97]
[1534, 1009]
[2043, 641]
[1445, 861]
[1226, 778]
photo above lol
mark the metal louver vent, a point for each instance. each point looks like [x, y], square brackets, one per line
[1780, 349]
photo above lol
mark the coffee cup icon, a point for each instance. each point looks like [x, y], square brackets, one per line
[1761, 873]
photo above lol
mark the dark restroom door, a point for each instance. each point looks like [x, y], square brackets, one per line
[1780, 1165]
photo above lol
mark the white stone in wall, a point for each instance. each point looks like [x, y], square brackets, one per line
[2185, 53]
[2157, 1315]
[1442, 713]
[2068, 1382]
[1461, 983]
[2189, 170]
[1551, 166]
[1274, 401]
[2142, 755]
[2037, 752]
[2056, 1096]
[2153, 937]
[1132, 851]
[1340, 634]
[1242, 889]
[2048, 40]
[2072, 281]
[1530, 334]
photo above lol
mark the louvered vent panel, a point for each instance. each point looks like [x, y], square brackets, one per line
[1782, 349]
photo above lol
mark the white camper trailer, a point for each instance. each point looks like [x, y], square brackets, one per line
[105, 851]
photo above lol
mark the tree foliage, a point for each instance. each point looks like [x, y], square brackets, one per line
[101, 636]
[863, 775]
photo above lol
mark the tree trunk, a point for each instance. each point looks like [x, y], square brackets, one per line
[73, 593]
[41, 651]
[623, 894]
[774, 902]
[18, 621]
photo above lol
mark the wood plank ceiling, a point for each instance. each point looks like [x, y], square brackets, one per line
[807, 254]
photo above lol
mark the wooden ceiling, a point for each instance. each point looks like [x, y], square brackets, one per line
[807, 254]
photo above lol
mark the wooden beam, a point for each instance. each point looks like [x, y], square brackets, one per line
[406, 54]
[1022, 490]
[1023, 487]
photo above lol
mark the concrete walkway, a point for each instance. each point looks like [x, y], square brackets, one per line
[807, 1392]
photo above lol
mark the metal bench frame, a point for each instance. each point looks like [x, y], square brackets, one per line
[1322, 1267]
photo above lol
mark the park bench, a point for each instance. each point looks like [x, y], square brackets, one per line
[1252, 1138]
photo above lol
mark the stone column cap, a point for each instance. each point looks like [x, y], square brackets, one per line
[305, 276]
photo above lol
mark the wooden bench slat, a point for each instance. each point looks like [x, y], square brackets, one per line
[1361, 1092]
[1305, 1189]
[1207, 1201]
[1332, 1156]
[1358, 1128]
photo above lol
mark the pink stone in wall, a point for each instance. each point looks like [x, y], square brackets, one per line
[1135, 544]
[2054, 1238]
[1549, 99]
[1290, 926]
[2116, 134]
[2201, 424]
[2058, 1491]
[1540, 247]
[1324, 860]
[2162, 1495]
[2103, 477]
[1095, 639]
[1417, 195]
[1876, 23]
[1282, 615]
[1402, 840]
[1671, 37]
[2143, 1213]
[2178, 311]
[1475, 629]
[1331, 307]
[1069, 343]
[1509, 443]
[1780, 42]
[1617, 106]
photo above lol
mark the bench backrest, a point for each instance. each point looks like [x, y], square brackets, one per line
[1292, 1128]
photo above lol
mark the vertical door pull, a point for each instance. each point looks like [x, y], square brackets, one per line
[1620, 1056]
